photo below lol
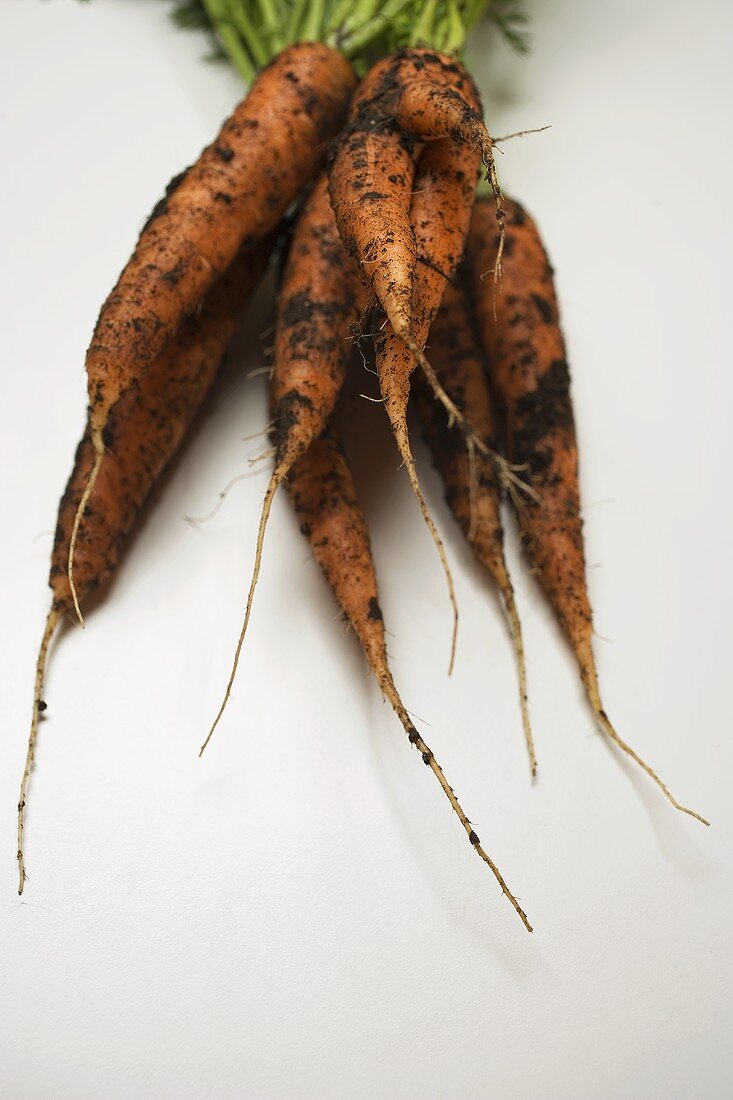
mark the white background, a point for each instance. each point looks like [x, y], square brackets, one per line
[299, 914]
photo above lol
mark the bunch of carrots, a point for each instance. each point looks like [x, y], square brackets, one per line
[364, 192]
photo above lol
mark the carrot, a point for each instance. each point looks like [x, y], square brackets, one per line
[144, 432]
[320, 301]
[415, 95]
[443, 193]
[527, 360]
[472, 490]
[323, 494]
[371, 180]
[234, 195]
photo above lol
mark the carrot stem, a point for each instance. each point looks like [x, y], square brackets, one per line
[422, 33]
[271, 24]
[348, 16]
[371, 29]
[313, 26]
[472, 12]
[295, 20]
[455, 35]
[240, 19]
[229, 38]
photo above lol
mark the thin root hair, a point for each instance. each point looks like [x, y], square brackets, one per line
[591, 685]
[521, 133]
[277, 477]
[81, 508]
[504, 470]
[403, 443]
[39, 706]
[389, 690]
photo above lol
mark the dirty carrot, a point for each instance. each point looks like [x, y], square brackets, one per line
[144, 432]
[235, 193]
[440, 211]
[322, 491]
[526, 354]
[472, 489]
[320, 301]
[416, 95]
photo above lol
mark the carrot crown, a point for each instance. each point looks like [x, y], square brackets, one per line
[251, 32]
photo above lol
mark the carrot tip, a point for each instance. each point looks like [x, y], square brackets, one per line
[52, 621]
[402, 438]
[278, 474]
[390, 691]
[591, 686]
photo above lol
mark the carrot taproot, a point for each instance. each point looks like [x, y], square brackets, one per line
[322, 490]
[235, 193]
[440, 211]
[527, 360]
[472, 489]
[414, 96]
[371, 181]
[417, 96]
[320, 301]
[144, 432]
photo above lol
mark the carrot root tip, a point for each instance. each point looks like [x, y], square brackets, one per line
[403, 443]
[428, 757]
[591, 686]
[49, 629]
[278, 475]
[515, 628]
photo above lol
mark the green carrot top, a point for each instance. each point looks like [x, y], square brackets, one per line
[251, 32]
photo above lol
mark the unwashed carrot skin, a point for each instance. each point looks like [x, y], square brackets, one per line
[529, 371]
[472, 489]
[319, 306]
[471, 486]
[526, 355]
[146, 430]
[416, 95]
[440, 214]
[323, 494]
[320, 302]
[322, 490]
[234, 195]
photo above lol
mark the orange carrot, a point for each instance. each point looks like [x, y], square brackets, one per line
[416, 95]
[320, 302]
[234, 195]
[322, 490]
[527, 360]
[472, 489]
[144, 432]
[444, 189]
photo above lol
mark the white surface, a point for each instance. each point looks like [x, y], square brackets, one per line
[299, 914]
